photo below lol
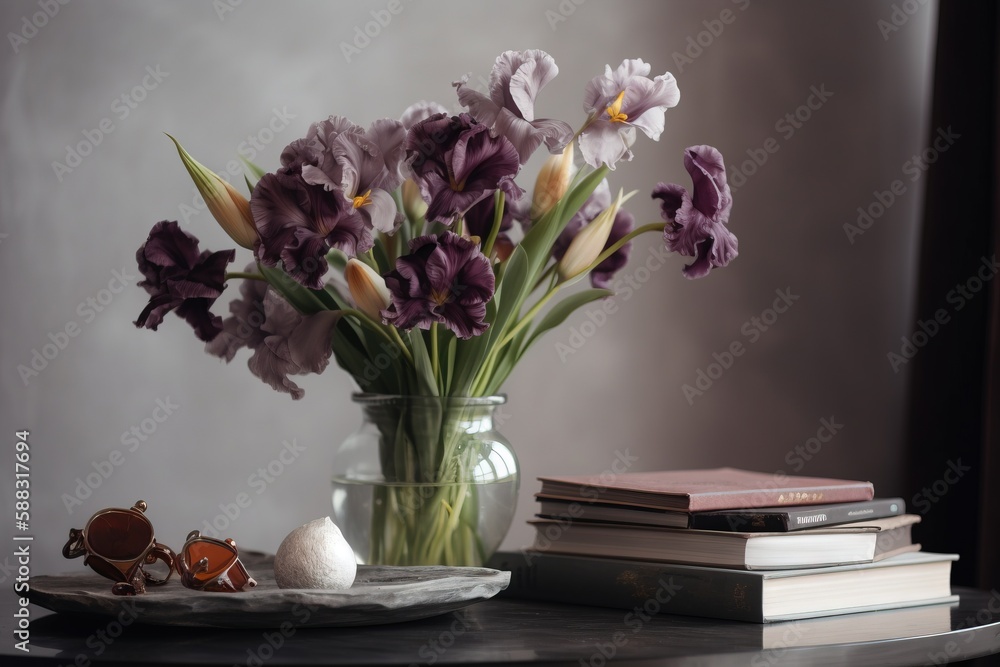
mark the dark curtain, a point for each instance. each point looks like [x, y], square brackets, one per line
[954, 400]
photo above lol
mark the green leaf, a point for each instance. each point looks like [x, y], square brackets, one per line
[257, 172]
[538, 242]
[422, 363]
[563, 309]
[449, 359]
[303, 299]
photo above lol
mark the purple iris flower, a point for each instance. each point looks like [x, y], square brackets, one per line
[284, 342]
[331, 191]
[624, 223]
[179, 277]
[456, 163]
[517, 78]
[419, 111]
[444, 279]
[696, 221]
[620, 101]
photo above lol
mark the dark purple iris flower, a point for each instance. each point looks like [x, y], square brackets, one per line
[624, 223]
[284, 342]
[331, 191]
[444, 279]
[179, 277]
[456, 163]
[516, 79]
[696, 221]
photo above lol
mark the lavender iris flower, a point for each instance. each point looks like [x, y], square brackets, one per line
[179, 277]
[419, 111]
[444, 279]
[696, 221]
[624, 223]
[284, 342]
[620, 101]
[331, 191]
[517, 78]
[456, 163]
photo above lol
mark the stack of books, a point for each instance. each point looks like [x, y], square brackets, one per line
[726, 543]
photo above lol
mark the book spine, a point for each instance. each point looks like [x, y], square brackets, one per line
[778, 497]
[643, 589]
[741, 522]
[798, 518]
[834, 514]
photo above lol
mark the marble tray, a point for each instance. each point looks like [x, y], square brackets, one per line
[380, 595]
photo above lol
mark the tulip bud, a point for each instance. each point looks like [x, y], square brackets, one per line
[413, 204]
[589, 243]
[367, 289]
[552, 182]
[227, 205]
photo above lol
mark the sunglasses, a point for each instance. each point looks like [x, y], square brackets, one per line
[118, 543]
[208, 564]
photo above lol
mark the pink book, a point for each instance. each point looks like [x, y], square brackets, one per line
[703, 490]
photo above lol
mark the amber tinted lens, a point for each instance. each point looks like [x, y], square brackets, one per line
[220, 557]
[106, 569]
[119, 535]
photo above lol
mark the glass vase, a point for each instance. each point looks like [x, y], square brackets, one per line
[425, 480]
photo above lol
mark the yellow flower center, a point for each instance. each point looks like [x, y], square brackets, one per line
[615, 110]
[440, 298]
[363, 200]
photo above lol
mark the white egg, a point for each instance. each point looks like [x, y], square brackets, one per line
[315, 555]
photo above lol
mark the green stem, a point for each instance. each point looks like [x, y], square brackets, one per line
[246, 276]
[613, 248]
[366, 321]
[498, 203]
[399, 341]
[435, 354]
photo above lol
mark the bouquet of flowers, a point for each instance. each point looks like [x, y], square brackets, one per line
[408, 251]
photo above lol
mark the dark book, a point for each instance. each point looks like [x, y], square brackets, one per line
[860, 542]
[704, 490]
[580, 511]
[786, 519]
[760, 520]
[905, 580]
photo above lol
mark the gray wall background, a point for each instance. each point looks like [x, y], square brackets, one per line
[824, 358]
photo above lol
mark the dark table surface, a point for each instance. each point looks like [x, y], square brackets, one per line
[508, 631]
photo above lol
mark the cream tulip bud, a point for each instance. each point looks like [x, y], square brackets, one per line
[589, 243]
[367, 289]
[227, 205]
[413, 204]
[552, 182]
